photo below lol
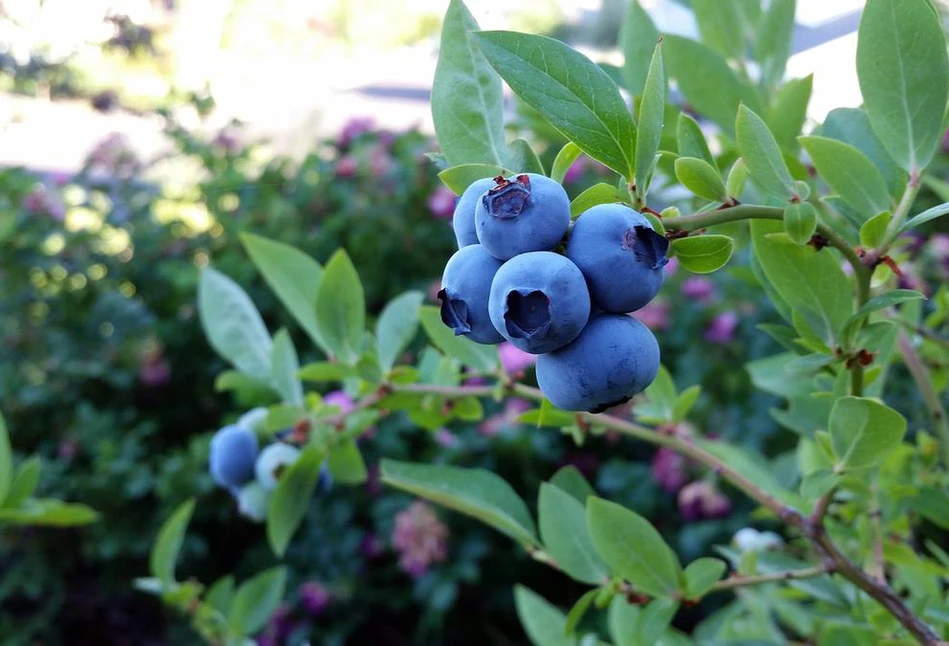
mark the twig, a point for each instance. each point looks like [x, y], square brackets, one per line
[772, 577]
[934, 407]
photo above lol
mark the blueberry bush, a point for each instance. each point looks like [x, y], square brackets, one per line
[851, 497]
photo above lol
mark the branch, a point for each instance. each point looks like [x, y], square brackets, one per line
[773, 577]
[902, 210]
[934, 407]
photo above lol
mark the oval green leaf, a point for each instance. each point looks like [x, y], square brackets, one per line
[849, 173]
[291, 498]
[701, 178]
[864, 431]
[703, 254]
[481, 357]
[762, 155]
[341, 308]
[168, 544]
[566, 538]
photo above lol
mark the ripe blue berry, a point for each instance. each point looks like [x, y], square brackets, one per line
[620, 255]
[253, 419]
[272, 462]
[325, 482]
[539, 301]
[463, 220]
[466, 285]
[528, 212]
[614, 358]
[233, 452]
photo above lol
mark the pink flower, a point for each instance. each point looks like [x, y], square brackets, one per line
[655, 315]
[420, 538]
[939, 246]
[352, 129]
[672, 266]
[155, 372]
[371, 546]
[669, 470]
[442, 202]
[347, 166]
[697, 288]
[507, 418]
[722, 328]
[513, 359]
[380, 161]
[445, 438]
[314, 597]
[42, 201]
[701, 499]
[575, 171]
[340, 400]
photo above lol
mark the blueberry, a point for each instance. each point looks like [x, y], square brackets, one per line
[252, 501]
[233, 452]
[539, 301]
[620, 255]
[273, 461]
[253, 419]
[463, 220]
[524, 213]
[466, 285]
[614, 358]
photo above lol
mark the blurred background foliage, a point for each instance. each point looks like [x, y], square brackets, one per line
[105, 371]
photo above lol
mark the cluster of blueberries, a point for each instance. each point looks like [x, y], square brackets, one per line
[508, 281]
[250, 474]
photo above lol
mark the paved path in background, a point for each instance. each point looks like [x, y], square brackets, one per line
[56, 136]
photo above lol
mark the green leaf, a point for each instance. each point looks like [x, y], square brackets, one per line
[48, 512]
[903, 70]
[564, 533]
[649, 122]
[773, 45]
[632, 548]
[701, 575]
[710, 86]
[660, 399]
[474, 355]
[925, 216]
[168, 543]
[571, 481]
[467, 98]
[577, 612]
[460, 177]
[325, 371]
[256, 599]
[849, 173]
[6, 461]
[810, 281]
[637, 38]
[873, 231]
[736, 178]
[800, 221]
[881, 302]
[283, 359]
[24, 482]
[691, 140]
[522, 157]
[341, 308]
[816, 484]
[932, 504]
[597, 194]
[346, 463]
[789, 112]
[632, 625]
[754, 467]
[291, 498]
[623, 619]
[568, 90]
[239, 382]
[397, 327]
[564, 160]
[543, 623]
[864, 431]
[852, 126]
[762, 155]
[233, 325]
[720, 26]
[703, 254]
[684, 403]
[292, 275]
[475, 492]
[701, 178]
[221, 594]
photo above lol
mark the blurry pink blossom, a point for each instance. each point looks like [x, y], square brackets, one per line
[654, 315]
[371, 546]
[155, 372]
[346, 166]
[340, 399]
[420, 538]
[314, 597]
[701, 499]
[44, 201]
[380, 161]
[114, 155]
[722, 328]
[513, 359]
[669, 469]
[672, 266]
[576, 170]
[442, 202]
[352, 129]
[698, 288]
[507, 418]
[445, 438]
